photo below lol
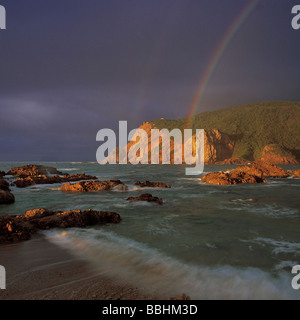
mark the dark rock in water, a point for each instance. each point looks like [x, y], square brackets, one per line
[33, 170]
[93, 186]
[2, 174]
[4, 185]
[12, 230]
[6, 197]
[43, 179]
[181, 297]
[31, 180]
[18, 228]
[146, 197]
[152, 184]
[78, 177]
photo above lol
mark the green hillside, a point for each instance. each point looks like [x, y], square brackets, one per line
[251, 127]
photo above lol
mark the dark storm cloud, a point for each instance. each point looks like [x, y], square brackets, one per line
[69, 68]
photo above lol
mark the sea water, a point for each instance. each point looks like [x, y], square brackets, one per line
[210, 242]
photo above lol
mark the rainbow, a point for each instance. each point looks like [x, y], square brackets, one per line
[226, 39]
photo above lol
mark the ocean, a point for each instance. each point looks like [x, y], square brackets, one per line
[209, 242]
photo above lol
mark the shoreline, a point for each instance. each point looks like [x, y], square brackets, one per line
[39, 270]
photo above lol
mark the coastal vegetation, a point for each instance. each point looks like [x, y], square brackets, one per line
[250, 127]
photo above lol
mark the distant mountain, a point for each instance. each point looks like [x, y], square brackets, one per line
[269, 131]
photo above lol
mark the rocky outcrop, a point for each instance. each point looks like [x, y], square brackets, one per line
[276, 154]
[295, 173]
[33, 170]
[268, 170]
[93, 186]
[146, 197]
[229, 178]
[149, 184]
[18, 228]
[43, 179]
[6, 197]
[2, 174]
[256, 173]
[217, 145]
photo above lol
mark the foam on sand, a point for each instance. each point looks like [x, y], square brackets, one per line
[153, 271]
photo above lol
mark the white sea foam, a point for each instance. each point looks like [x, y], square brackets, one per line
[150, 270]
[270, 210]
[210, 245]
[285, 265]
[140, 203]
[131, 187]
[280, 246]
[277, 183]
[162, 229]
[250, 200]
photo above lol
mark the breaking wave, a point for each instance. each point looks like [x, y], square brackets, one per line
[154, 272]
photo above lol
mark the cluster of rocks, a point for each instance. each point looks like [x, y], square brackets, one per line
[255, 173]
[37, 174]
[43, 179]
[33, 170]
[108, 185]
[16, 228]
[19, 228]
[29, 175]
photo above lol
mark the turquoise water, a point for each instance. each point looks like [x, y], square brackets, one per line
[207, 241]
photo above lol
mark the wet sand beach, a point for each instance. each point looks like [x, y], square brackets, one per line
[37, 269]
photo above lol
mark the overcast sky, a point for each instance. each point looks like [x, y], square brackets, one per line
[69, 68]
